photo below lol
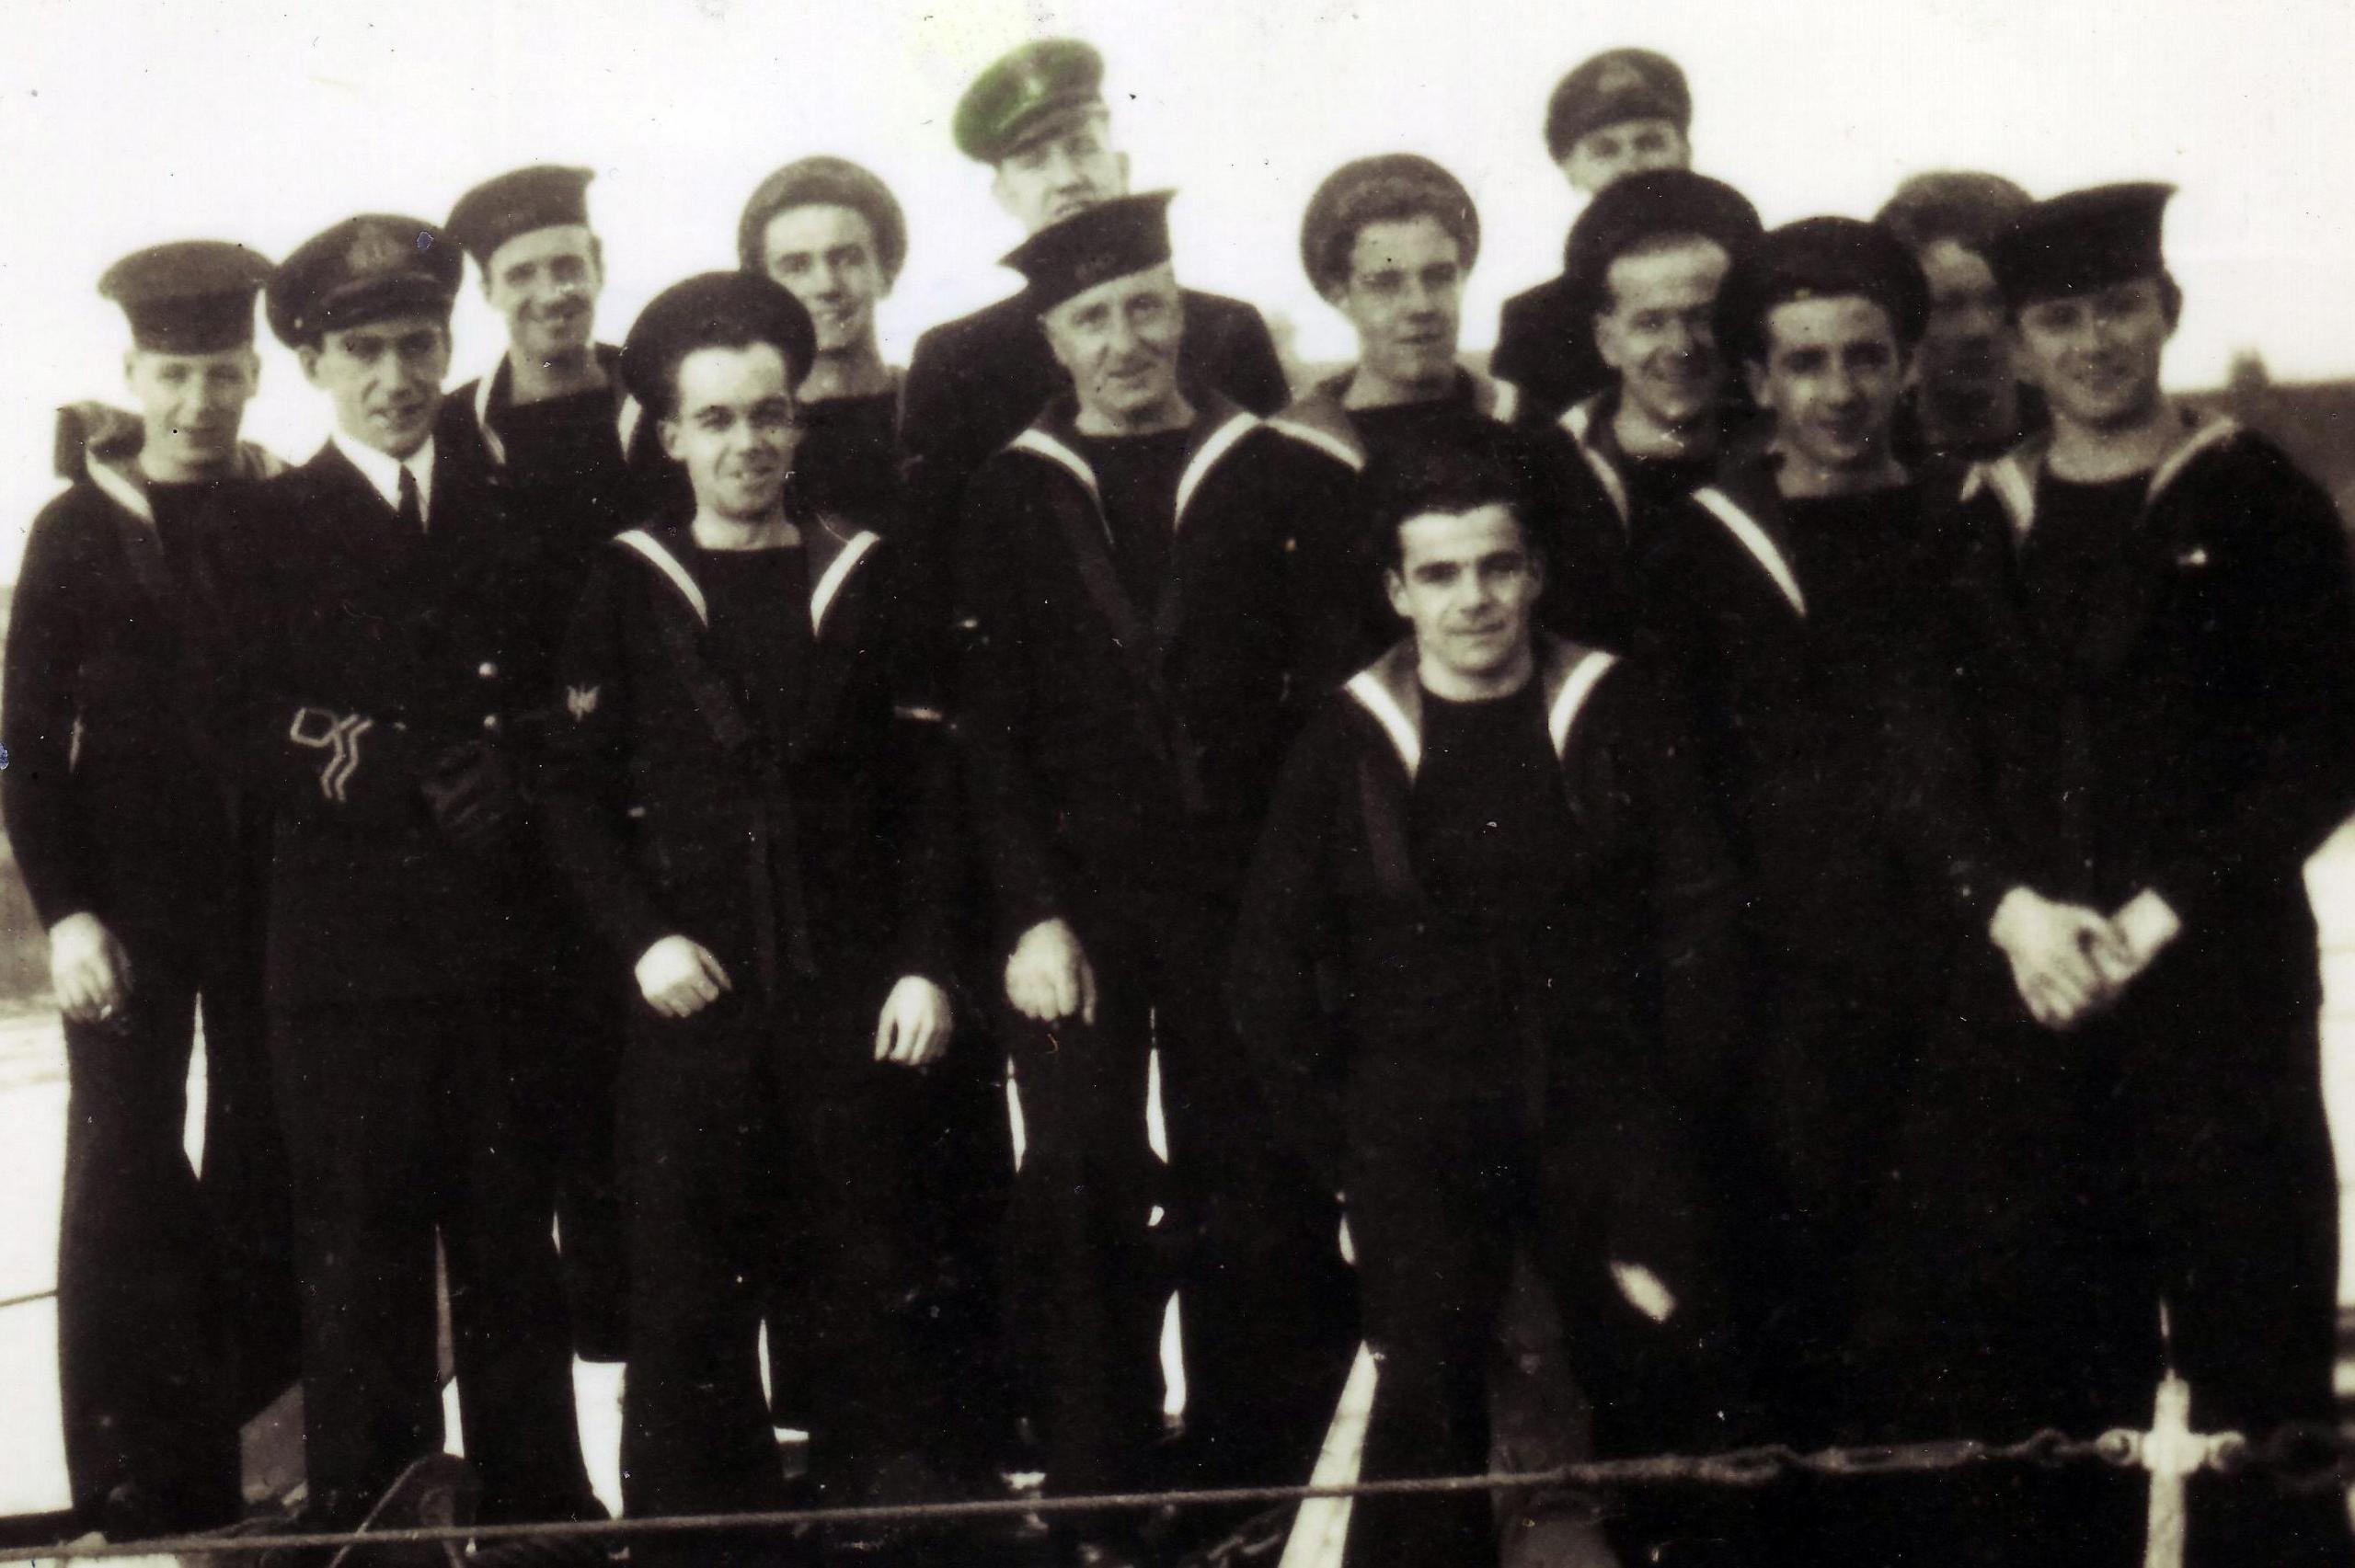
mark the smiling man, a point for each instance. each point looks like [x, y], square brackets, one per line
[578, 463]
[1794, 601]
[1648, 257]
[1389, 242]
[387, 612]
[2156, 672]
[732, 679]
[122, 809]
[1481, 963]
[1625, 111]
[1126, 696]
[832, 234]
[1038, 120]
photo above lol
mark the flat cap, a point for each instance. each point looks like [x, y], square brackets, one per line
[544, 196]
[713, 310]
[190, 297]
[1820, 259]
[1648, 205]
[1387, 188]
[362, 269]
[2087, 239]
[830, 182]
[1022, 88]
[1617, 85]
[1111, 239]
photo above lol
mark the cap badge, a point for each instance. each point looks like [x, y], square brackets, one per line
[375, 250]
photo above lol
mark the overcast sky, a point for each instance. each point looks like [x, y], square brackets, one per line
[126, 122]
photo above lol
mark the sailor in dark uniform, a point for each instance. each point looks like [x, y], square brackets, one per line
[2117, 1163]
[387, 610]
[577, 464]
[1490, 848]
[121, 807]
[1388, 242]
[745, 806]
[1623, 112]
[1037, 118]
[1967, 401]
[1788, 601]
[1649, 256]
[834, 234]
[1126, 696]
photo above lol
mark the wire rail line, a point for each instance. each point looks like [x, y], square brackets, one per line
[2303, 1458]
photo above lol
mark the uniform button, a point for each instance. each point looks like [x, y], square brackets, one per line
[490, 723]
[487, 670]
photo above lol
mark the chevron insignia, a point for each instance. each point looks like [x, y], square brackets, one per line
[339, 736]
[580, 700]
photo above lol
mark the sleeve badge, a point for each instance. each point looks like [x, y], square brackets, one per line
[581, 701]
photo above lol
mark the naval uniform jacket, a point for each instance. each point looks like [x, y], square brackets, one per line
[119, 796]
[822, 865]
[370, 652]
[1113, 747]
[1625, 997]
[2196, 736]
[1804, 738]
[973, 383]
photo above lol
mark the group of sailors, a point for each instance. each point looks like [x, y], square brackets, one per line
[1777, 816]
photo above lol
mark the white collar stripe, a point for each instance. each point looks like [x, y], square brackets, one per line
[1754, 539]
[822, 598]
[1223, 438]
[1375, 698]
[1584, 676]
[1039, 443]
[646, 545]
[1322, 440]
[124, 492]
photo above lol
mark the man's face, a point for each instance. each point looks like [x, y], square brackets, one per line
[1657, 333]
[1119, 340]
[2096, 354]
[826, 256]
[1631, 147]
[734, 429]
[1065, 166]
[546, 283]
[385, 378]
[1967, 346]
[192, 406]
[1468, 584]
[1832, 378]
[1405, 296]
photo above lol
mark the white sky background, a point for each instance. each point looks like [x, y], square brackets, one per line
[126, 122]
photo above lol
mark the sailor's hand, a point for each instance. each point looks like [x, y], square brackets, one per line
[916, 1023]
[1049, 978]
[2065, 957]
[88, 969]
[679, 977]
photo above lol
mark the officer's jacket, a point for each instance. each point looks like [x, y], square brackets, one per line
[822, 865]
[1340, 959]
[1545, 346]
[974, 382]
[2196, 736]
[1112, 744]
[117, 792]
[372, 656]
[1808, 710]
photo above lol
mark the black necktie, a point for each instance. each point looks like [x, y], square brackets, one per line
[412, 510]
